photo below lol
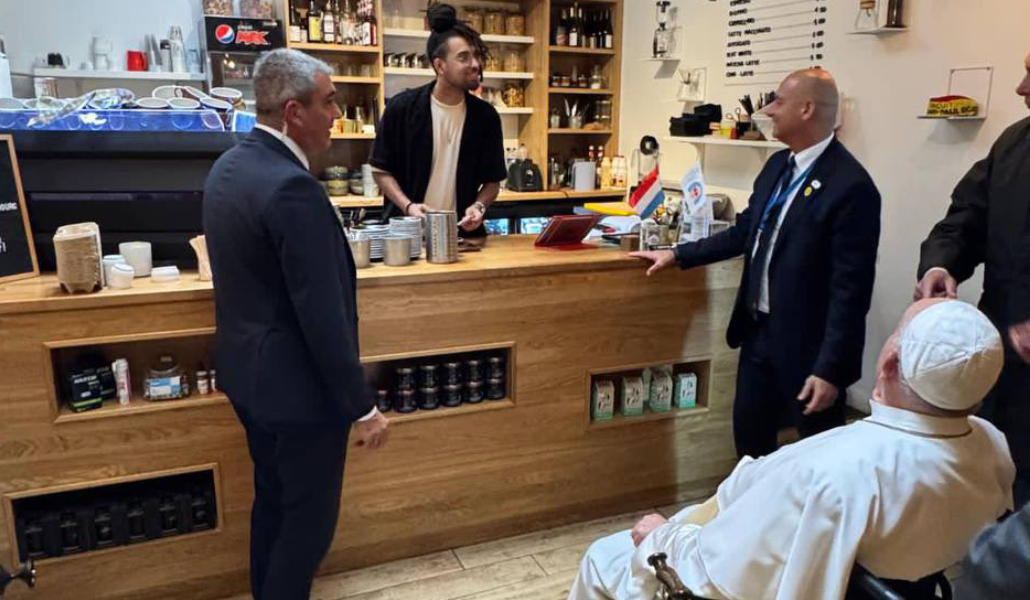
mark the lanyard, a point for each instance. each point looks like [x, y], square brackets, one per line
[782, 196]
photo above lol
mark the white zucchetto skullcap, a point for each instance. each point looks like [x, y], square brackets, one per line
[951, 355]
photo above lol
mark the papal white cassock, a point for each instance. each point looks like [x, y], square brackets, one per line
[900, 493]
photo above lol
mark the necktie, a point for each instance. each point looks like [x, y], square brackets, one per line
[768, 225]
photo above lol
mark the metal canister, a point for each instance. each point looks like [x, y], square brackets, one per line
[495, 368]
[474, 394]
[405, 401]
[405, 378]
[442, 237]
[474, 371]
[451, 395]
[452, 373]
[427, 376]
[383, 402]
[495, 389]
[429, 398]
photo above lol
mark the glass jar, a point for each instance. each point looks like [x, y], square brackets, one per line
[513, 61]
[555, 80]
[603, 111]
[257, 9]
[474, 371]
[222, 8]
[493, 63]
[473, 17]
[555, 119]
[596, 81]
[515, 24]
[514, 95]
[493, 23]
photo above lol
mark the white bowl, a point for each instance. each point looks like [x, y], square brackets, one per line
[184, 104]
[216, 104]
[167, 92]
[11, 104]
[228, 94]
[152, 103]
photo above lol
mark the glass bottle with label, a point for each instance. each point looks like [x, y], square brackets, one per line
[294, 26]
[329, 24]
[574, 29]
[561, 33]
[314, 23]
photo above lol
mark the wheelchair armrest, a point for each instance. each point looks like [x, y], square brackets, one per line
[669, 579]
[871, 585]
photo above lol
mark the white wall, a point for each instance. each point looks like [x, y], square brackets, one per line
[887, 81]
[34, 28]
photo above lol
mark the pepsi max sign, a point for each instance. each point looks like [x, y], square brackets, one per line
[226, 34]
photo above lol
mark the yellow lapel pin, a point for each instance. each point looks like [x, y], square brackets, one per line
[808, 191]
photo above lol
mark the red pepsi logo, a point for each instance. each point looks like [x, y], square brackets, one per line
[225, 34]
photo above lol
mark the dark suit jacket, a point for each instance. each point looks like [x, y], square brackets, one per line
[821, 270]
[404, 148]
[285, 291]
[987, 223]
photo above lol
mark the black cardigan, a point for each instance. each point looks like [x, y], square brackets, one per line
[404, 148]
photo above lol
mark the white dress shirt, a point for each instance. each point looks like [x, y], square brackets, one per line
[901, 493]
[303, 158]
[802, 160]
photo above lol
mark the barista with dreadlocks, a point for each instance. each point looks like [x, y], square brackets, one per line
[438, 146]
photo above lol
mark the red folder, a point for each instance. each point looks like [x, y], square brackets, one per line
[566, 232]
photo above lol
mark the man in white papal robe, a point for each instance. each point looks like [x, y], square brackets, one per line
[902, 492]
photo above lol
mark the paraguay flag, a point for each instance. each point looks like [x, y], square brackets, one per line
[648, 196]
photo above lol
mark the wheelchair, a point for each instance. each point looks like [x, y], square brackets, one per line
[27, 573]
[862, 585]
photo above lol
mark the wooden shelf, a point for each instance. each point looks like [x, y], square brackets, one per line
[420, 34]
[602, 193]
[576, 50]
[140, 75]
[710, 140]
[465, 409]
[619, 420]
[352, 201]
[138, 406]
[525, 110]
[345, 79]
[571, 90]
[404, 71]
[334, 48]
[352, 136]
[579, 131]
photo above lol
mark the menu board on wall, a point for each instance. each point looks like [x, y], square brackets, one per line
[769, 39]
[17, 254]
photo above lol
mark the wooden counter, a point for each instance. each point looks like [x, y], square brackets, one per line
[447, 478]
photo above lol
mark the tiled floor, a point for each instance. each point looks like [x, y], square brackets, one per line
[534, 566]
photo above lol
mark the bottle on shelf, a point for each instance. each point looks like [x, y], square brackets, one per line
[329, 23]
[606, 173]
[369, 27]
[609, 30]
[302, 20]
[347, 23]
[591, 29]
[314, 23]
[561, 35]
[295, 26]
[574, 31]
[590, 154]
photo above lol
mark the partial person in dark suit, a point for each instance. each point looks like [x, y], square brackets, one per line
[998, 564]
[809, 237]
[286, 310]
[987, 223]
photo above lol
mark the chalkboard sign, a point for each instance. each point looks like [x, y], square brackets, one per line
[17, 254]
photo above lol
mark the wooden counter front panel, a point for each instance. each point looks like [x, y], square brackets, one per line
[439, 483]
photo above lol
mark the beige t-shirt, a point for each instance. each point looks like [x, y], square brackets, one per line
[448, 123]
